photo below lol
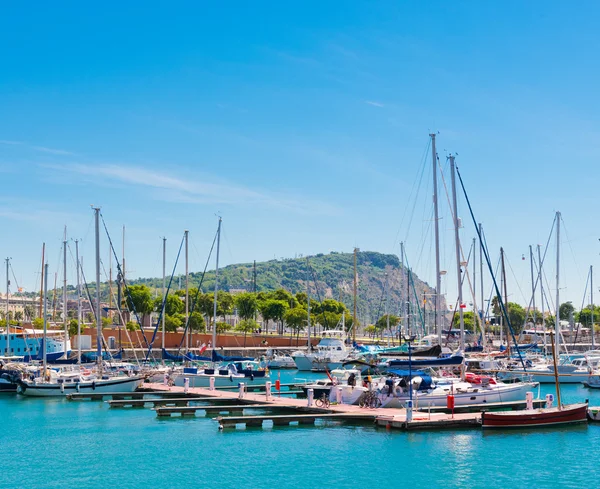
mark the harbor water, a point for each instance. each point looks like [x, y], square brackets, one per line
[55, 443]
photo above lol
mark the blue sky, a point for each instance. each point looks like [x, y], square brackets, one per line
[304, 125]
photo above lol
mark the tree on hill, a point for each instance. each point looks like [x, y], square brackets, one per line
[382, 323]
[139, 299]
[297, 319]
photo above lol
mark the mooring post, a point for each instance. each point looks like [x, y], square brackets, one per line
[268, 390]
[310, 394]
[338, 394]
[212, 383]
[241, 386]
[186, 385]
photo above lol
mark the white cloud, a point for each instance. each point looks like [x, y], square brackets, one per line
[374, 104]
[187, 190]
[42, 149]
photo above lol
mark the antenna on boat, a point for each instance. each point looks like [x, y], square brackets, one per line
[214, 337]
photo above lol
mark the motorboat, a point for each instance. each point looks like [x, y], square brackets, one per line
[27, 344]
[575, 372]
[349, 381]
[536, 418]
[276, 360]
[329, 353]
[248, 372]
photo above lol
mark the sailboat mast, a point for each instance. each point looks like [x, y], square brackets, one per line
[403, 304]
[592, 301]
[187, 292]
[458, 264]
[65, 324]
[539, 252]
[532, 284]
[98, 311]
[45, 312]
[482, 304]
[164, 288]
[438, 276]
[557, 321]
[7, 307]
[308, 300]
[556, 381]
[42, 280]
[78, 304]
[354, 318]
[214, 338]
[505, 297]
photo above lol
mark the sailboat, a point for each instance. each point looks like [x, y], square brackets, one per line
[548, 416]
[241, 370]
[48, 382]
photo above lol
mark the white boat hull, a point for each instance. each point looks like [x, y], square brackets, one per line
[495, 394]
[544, 377]
[203, 380]
[120, 384]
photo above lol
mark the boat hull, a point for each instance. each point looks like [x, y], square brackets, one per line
[118, 384]
[544, 377]
[536, 418]
[507, 393]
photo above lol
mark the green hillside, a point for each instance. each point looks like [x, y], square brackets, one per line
[330, 276]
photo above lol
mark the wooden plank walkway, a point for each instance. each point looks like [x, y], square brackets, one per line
[303, 414]
[95, 396]
[221, 408]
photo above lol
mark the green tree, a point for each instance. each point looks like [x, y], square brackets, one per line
[467, 318]
[223, 327]
[73, 327]
[585, 315]
[205, 305]
[224, 303]
[173, 304]
[132, 326]
[106, 322]
[371, 330]
[139, 299]
[38, 323]
[18, 315]
[297, 319]
[246, 326]
[382, 323]
[197, 323]
[284, 295]
[246, 304]
[173, 323]
[565, 311]
[275, 309]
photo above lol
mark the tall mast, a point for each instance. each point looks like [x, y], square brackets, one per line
[42, 280]
[539, 252]
[7, 307]
[403, 304]
[482, 304]
[557, 320]
[123, 255]
[98, 311]
[214, 338]
[164, 289]
[592, 301]
[254, 278]
[458, 265]
[532, 284]
[354, 318]
[78, 304]
[438, 276]
[387, 314]
[505, 296]
[45, 312]
[307, 299]
[475, 287]
[187, 292]
[65, 291]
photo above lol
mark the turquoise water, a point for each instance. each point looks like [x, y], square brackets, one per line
[60, 444]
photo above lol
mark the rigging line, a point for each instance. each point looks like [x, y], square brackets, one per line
[571, 248]
[411, 281]
[582, 303]
[127, 291]
[195, 301]
[112, 294]
[487, 258]
[89, 294]
[164, 301]
[412, 212]
[425, 153]
[515, 277]
[489, 300]
[383, 292]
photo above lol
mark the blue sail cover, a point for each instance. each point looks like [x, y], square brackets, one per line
[426, 382]
[220, 358]
[433, 362]
[186, 357]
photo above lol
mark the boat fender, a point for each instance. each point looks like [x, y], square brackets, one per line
[230, 378]
[94, 385]
[251, 376]
[398, 391]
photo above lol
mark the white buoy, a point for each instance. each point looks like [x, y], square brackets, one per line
[186, 385]
[338, 394]
[409, 408]
[242, 387]
[268, 389]
[310, 394]
[212, 383]
[529, 399]
[549, 400]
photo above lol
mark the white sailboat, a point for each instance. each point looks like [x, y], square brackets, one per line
[53, 383]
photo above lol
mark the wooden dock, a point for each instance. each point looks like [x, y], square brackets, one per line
[282, 411]
[139, 394]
